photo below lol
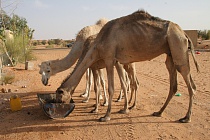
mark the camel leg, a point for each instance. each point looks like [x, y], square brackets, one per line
[101, 74]
[89, 82]
[134, 84]
[96, 88]
[121, 74]
[185, 72]
[110, 77]
[128, 82]
[121, 90]
[173, 83]
[120, 96]
[134, 89]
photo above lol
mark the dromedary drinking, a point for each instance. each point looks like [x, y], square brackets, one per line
[130, 69]
[133, 38]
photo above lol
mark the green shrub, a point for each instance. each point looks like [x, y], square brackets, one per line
[204, 34]
[35, 43]
[50, 42]
[19, 50]
[44, 42]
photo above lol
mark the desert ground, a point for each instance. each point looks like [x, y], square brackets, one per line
[31, 122]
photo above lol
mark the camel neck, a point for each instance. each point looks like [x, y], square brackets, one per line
[68, 61]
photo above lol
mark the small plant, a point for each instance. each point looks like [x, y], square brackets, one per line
[44, 42]
[7, 78]
[50, 46]
[204, 34]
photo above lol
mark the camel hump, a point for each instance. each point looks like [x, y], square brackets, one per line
[102, 21]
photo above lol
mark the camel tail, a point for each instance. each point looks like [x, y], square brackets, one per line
[191, 47]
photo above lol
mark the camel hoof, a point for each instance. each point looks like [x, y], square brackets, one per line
[118, 100]
[84, 95]
[104, 119]
[157, 114]
[85, 101]
[184, 120]
[94, 111]
[132, 107]
[105, 104]
[124, 111]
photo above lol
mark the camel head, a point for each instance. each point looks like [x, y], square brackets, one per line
[62, 95]
[45, 71]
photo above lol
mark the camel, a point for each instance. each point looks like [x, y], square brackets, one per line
[134, 38]
[129, 68]
[49, 68]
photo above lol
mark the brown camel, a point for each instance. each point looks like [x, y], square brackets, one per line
[133, 38]
[130, 69]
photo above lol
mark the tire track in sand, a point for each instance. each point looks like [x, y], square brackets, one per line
[130, 129]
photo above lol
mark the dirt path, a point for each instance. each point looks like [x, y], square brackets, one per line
[31, 123]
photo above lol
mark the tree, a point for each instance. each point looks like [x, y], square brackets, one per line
[204, 34]
[44, 42]
[18, 50]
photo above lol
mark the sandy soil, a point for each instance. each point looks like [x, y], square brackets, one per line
[31, 123]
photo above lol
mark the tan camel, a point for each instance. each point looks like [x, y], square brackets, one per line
[133, 38]
[49, 68]
[130, 69]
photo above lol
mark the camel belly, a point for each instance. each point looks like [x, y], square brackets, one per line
[143, 53]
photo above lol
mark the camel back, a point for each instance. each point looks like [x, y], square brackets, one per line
[91, 30]
[139, 18]
[142, 15]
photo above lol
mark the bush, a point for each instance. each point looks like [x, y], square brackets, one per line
[7, 78]
[44, 42]
[19, 50]
[205, 34]
[58, 41]
[50, 42]
[35, 43]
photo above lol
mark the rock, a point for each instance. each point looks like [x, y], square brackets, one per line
[4, 90]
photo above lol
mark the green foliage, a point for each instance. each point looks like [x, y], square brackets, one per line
[50, 42]
[204, 34]
[19, 48]
[16, 24]
[44, 42]
[35, 43]
[58, 41]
